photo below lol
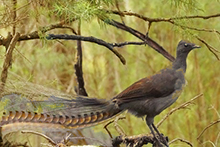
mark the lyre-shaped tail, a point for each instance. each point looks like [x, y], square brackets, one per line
[77, 113]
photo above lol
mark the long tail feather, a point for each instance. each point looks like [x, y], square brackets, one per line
[78, 112]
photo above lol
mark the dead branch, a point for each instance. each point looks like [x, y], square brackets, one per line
[213, 123]
[89, 39]
[110, 122]
[137, 141]
[14, 16]
[123, 13]
[143, 37]
[172, 21]
[211, 49]
[8, 61]
[181, 140]
[182, 106]
[196, 29]
[40, 134]
[80, 89]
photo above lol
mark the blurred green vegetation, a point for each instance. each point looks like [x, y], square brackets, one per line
[50, 63]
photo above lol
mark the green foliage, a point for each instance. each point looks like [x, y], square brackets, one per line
[81, 9]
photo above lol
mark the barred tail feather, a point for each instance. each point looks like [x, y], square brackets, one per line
[76, 113]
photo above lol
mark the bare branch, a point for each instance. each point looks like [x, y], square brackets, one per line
[110, 122]
[35, 34]
[79, 89]
[123, 13]
[196, 29]
[89, 39]
[144, 38]
[136, 141]
[182, 106]
[213, 123]
[211, 49]
[182, 140]
[40, 134]
[127, 43]
[8, 61]
[14, 15]
[169, 20]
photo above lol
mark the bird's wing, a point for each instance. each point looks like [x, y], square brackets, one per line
[162, 84]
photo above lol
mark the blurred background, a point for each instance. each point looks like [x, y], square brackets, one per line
[50, 63]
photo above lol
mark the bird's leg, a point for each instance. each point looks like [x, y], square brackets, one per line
[152, 131]
[160, 135]
[149, 122]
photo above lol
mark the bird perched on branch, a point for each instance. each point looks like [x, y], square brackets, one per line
[146, 97]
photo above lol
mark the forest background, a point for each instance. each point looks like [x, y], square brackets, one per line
[50, 63]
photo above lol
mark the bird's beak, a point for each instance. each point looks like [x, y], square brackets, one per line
[196, 46]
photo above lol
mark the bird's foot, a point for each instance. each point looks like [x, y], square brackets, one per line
[157, 143]
[164, 139]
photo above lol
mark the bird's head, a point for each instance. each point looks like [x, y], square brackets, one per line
[185, 47]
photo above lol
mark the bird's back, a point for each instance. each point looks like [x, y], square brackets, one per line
[151, 95]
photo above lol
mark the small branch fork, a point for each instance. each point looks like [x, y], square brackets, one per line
[123, 13]
[172, 21]
[207, 127]
[8, 61]
[182, 106]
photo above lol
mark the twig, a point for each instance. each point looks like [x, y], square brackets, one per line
[127, 43]
[123, 13]
[8, 61]
[118, 128]
[211, 49]
[182, 140]
[196, 29]
[110, 122]
[213, 123]
[182, 106]
[89, 39]
[42, 30]
[14, 16]
[40, 134]
[64, 141]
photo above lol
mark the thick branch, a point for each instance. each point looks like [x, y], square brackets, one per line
[80, 89]
[144, 38]
[8, 60]
[89, 39]
[136, 141]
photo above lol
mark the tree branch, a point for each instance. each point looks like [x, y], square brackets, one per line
[213, 123]
[211, 49]
[89, 39]
[136, 141]
[182, 140]
[79, 89]
[144, 38]
[182, 106]
[123, 13]
[8, 61]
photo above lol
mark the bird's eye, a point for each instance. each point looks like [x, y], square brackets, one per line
[185, 44]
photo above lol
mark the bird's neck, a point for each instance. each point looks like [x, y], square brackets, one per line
[180, 62]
